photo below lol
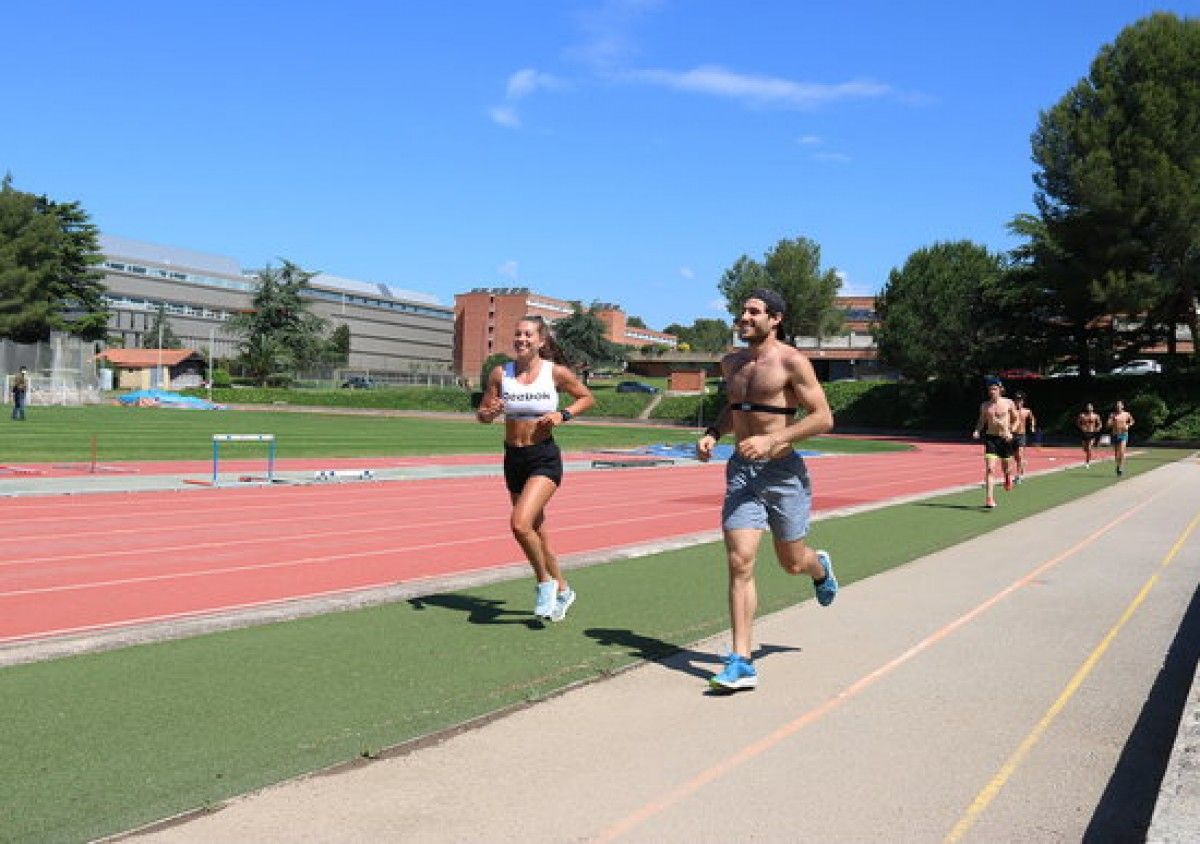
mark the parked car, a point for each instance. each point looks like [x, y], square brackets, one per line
[635, 387]
[358, 382]
[1065, 372]
[1018, 375]
[1138, 367]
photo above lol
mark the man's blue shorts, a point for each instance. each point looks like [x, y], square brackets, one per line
[761, 494]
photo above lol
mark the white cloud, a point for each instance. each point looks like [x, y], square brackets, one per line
[527, 81]
[851, 287]
[508, 269]
[687, 272]
[504, 116]
[809, 140]
[758, 90]
[835, 157]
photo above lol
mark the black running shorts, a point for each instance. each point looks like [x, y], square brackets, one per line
[523, 462]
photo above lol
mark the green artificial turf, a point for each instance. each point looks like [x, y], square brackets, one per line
[141, 433]
[98, 743]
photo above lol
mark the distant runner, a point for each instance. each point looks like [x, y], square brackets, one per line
[1119, 423]
[996, 424]
[1023, 433]
[1089, 424]
[766, 481]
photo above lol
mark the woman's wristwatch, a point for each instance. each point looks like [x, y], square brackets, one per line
[567, 415]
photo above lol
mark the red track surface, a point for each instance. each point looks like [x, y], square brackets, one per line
[81, 563]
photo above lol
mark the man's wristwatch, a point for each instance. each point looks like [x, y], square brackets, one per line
[567, 415]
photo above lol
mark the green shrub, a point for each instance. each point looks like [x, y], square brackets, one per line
[1149, 413]
[221, 379]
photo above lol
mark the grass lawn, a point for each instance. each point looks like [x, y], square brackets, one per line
[142, 433]
[97, 743]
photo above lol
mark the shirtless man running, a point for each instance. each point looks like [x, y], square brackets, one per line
[1025, 429]
[1119, 423]
[1089, 424]
[767, 483]
[997, 421]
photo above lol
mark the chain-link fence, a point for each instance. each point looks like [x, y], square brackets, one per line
[62, 370]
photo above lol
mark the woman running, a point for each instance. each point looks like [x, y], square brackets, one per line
[525, 391]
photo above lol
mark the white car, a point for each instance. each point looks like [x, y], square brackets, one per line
[1139, 367]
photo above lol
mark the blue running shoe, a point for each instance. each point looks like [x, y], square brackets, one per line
[546, 593]
[561, 604]
[827, 589]
[738, 674]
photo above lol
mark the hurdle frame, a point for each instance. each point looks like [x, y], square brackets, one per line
[269, 439]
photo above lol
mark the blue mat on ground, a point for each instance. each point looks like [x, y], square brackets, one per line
[165, 398]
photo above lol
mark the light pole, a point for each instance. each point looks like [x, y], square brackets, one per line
[161, 319]
[212, 339]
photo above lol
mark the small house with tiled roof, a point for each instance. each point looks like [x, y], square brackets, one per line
[136, 368]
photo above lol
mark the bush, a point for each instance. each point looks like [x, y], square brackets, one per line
[1149, 413]
[221, 379]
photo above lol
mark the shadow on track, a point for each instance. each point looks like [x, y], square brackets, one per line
[478, 610]
[668, 654]
[1127, 805]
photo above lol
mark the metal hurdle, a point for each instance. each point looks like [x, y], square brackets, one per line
[269, 439]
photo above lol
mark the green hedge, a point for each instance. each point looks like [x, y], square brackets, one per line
[399, 398]
[1166, 407]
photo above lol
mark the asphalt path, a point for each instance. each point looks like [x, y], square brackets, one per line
[1022, 686]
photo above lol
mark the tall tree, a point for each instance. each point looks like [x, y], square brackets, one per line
[581, 337]
[48, 280]
[1119, 178]
[338, 352]
[792, 269]
[936, 313]
[279, 333]
[158, 334]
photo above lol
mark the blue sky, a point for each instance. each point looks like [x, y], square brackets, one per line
[626, 151]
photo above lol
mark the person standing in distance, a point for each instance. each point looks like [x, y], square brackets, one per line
[997, 421]
[1119, 423]
[1089, 424]
[526, 392]
[1026, 427]
[20, 392]
[766, 481]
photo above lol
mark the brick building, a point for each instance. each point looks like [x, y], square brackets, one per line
[485, 318]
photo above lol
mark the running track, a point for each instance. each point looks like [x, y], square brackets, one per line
[76, 564]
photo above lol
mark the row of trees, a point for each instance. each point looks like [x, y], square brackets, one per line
[1109, 263]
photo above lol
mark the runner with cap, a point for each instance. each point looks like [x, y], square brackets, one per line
[767, 483]
[997, 420]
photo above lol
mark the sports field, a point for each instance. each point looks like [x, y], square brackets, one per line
[144, 732]
[56, 434]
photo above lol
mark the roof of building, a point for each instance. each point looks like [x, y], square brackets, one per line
[141, 358]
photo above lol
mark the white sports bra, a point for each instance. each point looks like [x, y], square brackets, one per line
[529, 401]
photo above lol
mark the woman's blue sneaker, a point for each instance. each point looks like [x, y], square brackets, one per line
[737, 674]
[827, 588]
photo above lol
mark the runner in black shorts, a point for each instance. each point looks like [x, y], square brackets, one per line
[997, 420]
[526, 391]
